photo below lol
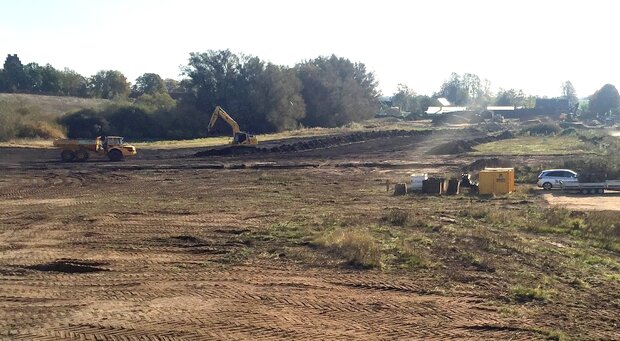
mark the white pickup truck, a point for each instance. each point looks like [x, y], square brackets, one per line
[590, 187]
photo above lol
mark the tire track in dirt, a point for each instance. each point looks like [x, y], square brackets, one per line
[165, 278]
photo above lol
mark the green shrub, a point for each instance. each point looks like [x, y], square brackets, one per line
[594, 169]
[85, 123]
[526, 174]
[542, 129]
[568, 131]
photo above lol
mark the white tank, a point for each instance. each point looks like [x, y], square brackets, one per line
[416, 181]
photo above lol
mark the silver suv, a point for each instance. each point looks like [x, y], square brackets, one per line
[551, 177]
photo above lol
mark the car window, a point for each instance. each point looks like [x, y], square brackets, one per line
[568, 174]
[554, 174]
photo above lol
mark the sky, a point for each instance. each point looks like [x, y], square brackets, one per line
[522, 44]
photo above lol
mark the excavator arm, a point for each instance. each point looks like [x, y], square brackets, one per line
[219, 112]
[239, 137]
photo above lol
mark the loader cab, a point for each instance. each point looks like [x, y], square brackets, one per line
[113, 140]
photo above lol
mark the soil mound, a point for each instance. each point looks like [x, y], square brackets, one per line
[481, 164]
[452, 147]
[315, 143]
[464, 146]
[69, 266]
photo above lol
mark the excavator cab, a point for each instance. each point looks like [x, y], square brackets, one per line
[244, 138]
[239, 137]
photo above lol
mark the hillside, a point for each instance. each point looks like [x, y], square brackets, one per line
[52, 106]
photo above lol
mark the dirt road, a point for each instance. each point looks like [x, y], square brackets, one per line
[609, 201]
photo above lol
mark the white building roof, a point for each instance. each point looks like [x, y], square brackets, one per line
[501, 107]
[444, 110]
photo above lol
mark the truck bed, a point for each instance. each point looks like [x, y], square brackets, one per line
[76, 144]
[591, 187]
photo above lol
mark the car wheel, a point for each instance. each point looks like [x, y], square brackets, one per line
[547, 186]
[584, 191]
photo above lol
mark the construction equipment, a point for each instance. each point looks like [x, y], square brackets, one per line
[79, 149]
[496, 181]
[239, 137]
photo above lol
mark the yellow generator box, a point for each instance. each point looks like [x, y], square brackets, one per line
[497, 181]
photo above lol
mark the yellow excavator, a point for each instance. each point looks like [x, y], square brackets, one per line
[239, 137]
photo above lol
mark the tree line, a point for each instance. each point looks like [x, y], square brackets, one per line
[263, 97]
[327, 91]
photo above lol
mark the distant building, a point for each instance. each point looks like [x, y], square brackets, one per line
[552, 106]
[501, 108]
[443, 101]
[444, 110]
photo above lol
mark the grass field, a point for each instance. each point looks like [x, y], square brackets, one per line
[534, 145]
[50, 106]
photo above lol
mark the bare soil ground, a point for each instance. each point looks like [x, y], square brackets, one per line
[610, 201]
[172, 247]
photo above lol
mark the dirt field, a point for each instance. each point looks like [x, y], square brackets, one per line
[610, 201]
[174, 247]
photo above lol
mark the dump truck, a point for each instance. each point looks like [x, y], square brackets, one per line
[80, 149]
[590, 187]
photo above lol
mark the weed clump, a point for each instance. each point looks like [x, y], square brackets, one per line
[358, 247]
[396, 217]
[526, 294]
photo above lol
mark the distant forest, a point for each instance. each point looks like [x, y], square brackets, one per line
[262, 97]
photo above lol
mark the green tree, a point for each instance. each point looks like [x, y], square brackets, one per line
[337, 91]
[212, 78]
[50, 80]
[454, 90]
[149, 83]
[465, 90]
[473, 86]
[15, 78]
[426, 101]
[109, 84]
[72, 83]
[34, 78]
[511, 97]
[405, 99]
[261, 97]
[568, 92]
[41, 79]
[156, 102]
[173, 86]
[277, 97]
[605, 101]
[4, 87]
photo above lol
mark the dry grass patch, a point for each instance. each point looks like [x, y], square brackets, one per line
[357, 246]
[528, 294]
